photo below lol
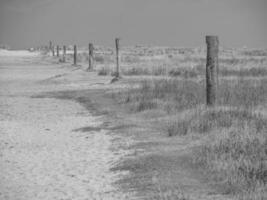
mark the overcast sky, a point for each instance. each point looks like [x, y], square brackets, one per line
[238, 23]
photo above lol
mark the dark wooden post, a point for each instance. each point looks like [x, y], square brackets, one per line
[50, 46]
[212, 68]
[91, 57]
[75, 55]
[64, 54]
[117, 42]
[53, 51]
[57, 51]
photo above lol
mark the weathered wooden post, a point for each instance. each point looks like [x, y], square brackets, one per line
[212, 68]
[50, 47]
[75, 55]
[57, 51]
[53, 51]
[117, 42]
[64, 54]
[91, 57]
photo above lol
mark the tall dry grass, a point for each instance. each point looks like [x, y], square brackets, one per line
[176, 62]
[189, 63]
[234, 133]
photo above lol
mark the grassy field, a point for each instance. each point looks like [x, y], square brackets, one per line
[229, 141]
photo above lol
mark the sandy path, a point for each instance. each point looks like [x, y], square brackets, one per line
[42, 155]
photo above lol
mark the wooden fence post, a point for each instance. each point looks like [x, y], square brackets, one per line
[53, 51]
[91, 57]
[117, 42]
[50, 47]
[64, 53]
[212, 69]
[57, 51]
[75, 55]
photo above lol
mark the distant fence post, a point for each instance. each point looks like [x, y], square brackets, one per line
[91, 57]
[57, 51]
[64, 53]
[212, 69]
[53, 51]
[75, 55]
[117, 42]
[50, 47]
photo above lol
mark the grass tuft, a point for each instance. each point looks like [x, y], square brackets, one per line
[238, 156]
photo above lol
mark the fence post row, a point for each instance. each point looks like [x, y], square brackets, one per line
[91, 57]
[212, 64]
[75, 55]
[212, 69]
[64, 53]
[117, 42]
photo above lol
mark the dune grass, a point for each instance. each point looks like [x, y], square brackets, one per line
[234, 133]
[238, 155]
[187, 63]
[184, 94]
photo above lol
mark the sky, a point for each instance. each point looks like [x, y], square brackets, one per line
[179, 23]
